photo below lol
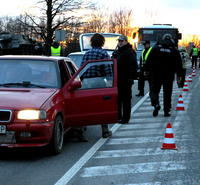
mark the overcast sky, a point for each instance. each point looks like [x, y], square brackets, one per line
[183, 14]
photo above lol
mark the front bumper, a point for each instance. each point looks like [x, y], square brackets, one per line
[27, 135]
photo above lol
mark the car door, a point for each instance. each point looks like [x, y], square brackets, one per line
[95, 102]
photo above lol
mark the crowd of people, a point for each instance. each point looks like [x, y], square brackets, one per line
[159, 65]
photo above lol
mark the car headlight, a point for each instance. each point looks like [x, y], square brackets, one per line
[31, 114]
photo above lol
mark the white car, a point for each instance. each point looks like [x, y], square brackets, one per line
[111, 40]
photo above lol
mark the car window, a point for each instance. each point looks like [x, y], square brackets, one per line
[77, 59]
[97, 75]
[64, 73]
[71, 68]
[38, 72]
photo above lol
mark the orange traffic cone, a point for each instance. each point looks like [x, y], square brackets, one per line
[185, 87]
[180, 104]
[169, 141]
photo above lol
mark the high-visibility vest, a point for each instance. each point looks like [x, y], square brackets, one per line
[195, 51]
[55, 51]
[144, 58]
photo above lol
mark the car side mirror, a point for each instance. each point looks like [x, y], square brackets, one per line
[76, 84]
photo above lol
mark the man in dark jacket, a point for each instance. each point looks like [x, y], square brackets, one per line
[127, 67]
[162, 63]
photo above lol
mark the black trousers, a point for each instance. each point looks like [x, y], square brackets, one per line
[141, 82]
[124, 101]
[167, 93]
[194, 62]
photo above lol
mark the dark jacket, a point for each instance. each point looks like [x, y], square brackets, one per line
[126, 63]
[163, 62]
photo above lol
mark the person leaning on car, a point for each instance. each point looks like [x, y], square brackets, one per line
[96, 53]
[127, 69]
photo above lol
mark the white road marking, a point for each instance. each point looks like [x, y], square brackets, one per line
[156, 139]
[146, 108]
[142, 114]
[141, 152]
[148, 183]
[175, 182]
[147, 132]
[151, 119]
[141, 126]
[133, 168]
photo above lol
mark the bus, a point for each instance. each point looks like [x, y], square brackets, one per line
[153, 33]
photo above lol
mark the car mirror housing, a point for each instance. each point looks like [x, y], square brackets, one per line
[76, 84]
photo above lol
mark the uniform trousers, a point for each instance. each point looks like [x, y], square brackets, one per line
[167, 92]
[194, 62]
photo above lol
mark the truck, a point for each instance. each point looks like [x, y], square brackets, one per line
[15, 44]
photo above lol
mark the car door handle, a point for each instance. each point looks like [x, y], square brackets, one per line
[107, 97]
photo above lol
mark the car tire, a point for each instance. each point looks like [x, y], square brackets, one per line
[56, 143]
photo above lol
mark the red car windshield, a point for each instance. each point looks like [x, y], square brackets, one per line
[29, 73]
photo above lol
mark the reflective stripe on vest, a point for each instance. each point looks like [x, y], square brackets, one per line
[195, 51]
[55, 51]
[144, 58]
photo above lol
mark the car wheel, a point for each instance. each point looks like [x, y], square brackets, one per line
[57, 137]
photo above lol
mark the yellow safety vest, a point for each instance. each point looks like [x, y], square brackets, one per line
[195, 51]
[144, 58]
[55, 51]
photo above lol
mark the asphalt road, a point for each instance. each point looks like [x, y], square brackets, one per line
[131, 156]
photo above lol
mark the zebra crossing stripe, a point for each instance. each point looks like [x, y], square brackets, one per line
[133, 168]
[174, 182]
[140, 152]
[137, 140]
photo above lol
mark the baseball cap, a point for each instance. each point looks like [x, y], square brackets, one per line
[122, 37]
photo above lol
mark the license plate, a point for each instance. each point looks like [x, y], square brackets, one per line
[2, 129]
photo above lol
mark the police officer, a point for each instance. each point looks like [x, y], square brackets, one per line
[56, 49]
[127, 67]
[162, 63]
[143, 58]
[194, 54]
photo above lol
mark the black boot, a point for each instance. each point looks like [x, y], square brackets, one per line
[156, 110]
[167, 114]
[106, 134]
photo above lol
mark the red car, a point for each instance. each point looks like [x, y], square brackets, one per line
[41, 98]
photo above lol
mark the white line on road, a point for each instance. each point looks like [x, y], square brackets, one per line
[133, 168]
[142, 152]
[137, 140]
[83, 160]
[175, 182]
[141, 126]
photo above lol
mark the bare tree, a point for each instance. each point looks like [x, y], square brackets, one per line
[55, 14]
[96, 22]
[120, 22]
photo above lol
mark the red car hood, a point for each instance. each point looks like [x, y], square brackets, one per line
[24, 98]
